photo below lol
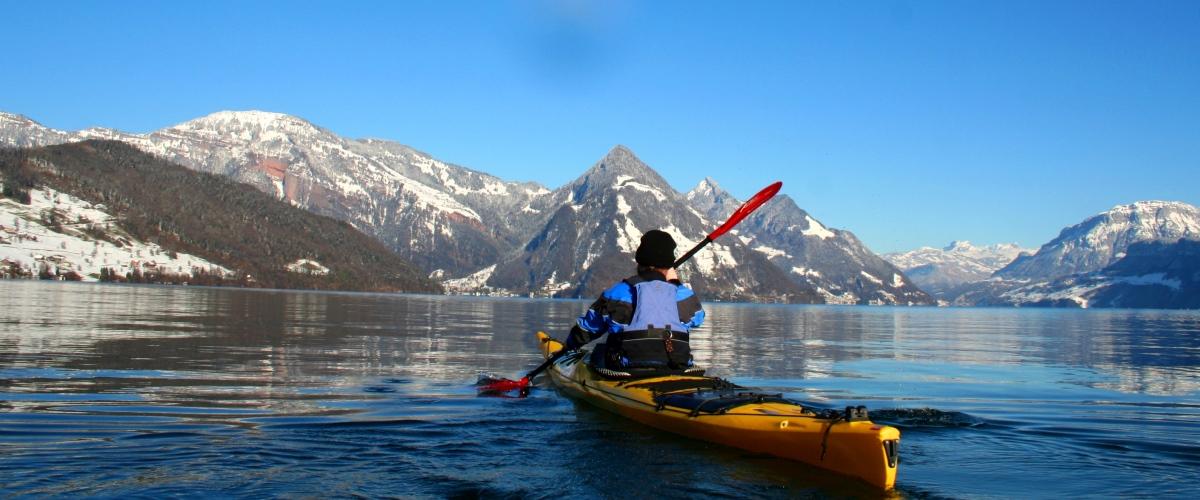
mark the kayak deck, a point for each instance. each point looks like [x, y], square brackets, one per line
[718, 411]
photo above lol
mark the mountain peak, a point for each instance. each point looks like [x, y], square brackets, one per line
[621, 152]
[621, 163]
[959, 245]
[1148, 206]
[225, 121]
[622, 160]
[707, 187]
[250, 115]
[711, 200]
[1151, 219]
[17, 119]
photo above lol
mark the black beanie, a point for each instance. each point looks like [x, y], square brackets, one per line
[656, 250]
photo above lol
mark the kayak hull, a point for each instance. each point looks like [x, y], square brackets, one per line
[857, 448]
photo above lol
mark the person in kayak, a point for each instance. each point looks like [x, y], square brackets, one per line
[647, 317]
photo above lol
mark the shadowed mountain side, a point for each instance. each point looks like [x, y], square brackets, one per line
[1152, 274]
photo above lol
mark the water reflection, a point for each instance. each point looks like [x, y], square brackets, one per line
[1152, 352]
[283, 337]
[115, 365]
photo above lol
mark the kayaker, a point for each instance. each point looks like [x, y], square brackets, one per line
[648, 316]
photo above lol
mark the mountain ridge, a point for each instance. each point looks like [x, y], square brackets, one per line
[944, 271]
[1076, 269]
[1101, 239]
[1151, 274]
[458, 223]
[312, 167]
[833, 261]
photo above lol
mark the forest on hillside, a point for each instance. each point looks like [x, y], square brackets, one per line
[210, 216]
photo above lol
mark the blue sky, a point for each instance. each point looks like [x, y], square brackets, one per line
[909, 123]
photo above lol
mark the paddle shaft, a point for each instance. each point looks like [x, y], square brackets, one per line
[691, 252]
[546, 364]
[741, 213]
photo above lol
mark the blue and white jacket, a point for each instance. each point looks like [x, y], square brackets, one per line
[612, 312]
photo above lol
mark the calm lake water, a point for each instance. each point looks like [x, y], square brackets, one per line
[110, 390]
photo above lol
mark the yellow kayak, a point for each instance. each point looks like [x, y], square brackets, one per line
[718, 411]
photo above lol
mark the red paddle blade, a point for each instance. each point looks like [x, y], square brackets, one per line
[749, 206]
[502, 385]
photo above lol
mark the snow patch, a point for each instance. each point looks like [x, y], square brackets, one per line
[771, 252]
[1150, 279]
[623, 208]
[816, 229]
[625, 181]
[628, 236]
[714, 256]
[473, 282]
[804, 271]
[306, 266]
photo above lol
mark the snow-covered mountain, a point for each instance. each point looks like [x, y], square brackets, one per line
[22, 132]
[942, 271]
[1077, 268]
[1150, 274]
[107, 210]
[833, 261]
[1101, 240]
[429, 212]
[476, 231]
[596, 222]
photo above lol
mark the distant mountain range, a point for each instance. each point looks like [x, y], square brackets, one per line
[944, 271]
[1153, 274]
[480, 233]
[1133, 255]
[477, 233]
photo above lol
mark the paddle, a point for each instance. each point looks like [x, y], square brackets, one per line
[505, 385]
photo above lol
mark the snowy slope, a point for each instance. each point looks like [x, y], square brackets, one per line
[27, 240]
